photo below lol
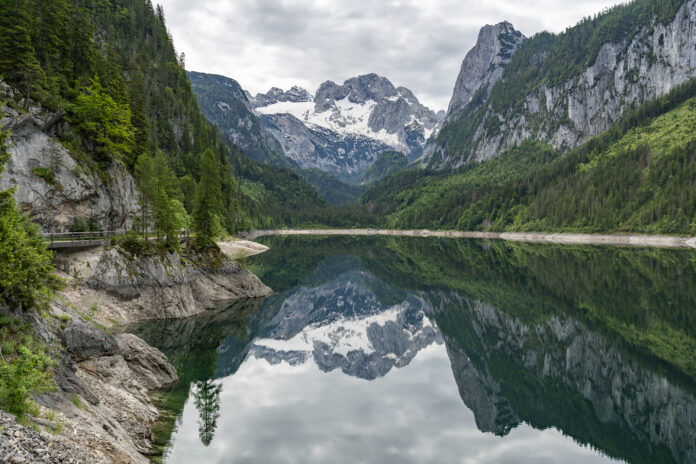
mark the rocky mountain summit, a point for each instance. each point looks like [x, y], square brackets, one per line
[348, 124]
[484, 64]
[276, 95]
[341, 129]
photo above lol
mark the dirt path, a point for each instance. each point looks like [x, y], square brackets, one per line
[660, 241]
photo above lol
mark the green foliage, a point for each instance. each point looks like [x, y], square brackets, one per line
[636, 177]
[160, 200]
[206, 223]
[26, 279]
[25, 367]
[386, 164]
[422, 199]
[330, 188]
[46, 174]
[104, 122]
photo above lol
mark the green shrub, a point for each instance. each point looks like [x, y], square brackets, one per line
[27, 374]
[46, 174]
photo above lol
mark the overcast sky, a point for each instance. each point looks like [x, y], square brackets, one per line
[419, 44]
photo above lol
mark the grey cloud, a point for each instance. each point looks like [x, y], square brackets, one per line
[417, 44]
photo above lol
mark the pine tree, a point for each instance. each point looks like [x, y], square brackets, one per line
[144, 175]
[206, 398]
[208, 201]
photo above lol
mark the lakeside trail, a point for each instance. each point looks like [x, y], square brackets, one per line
[657, 241]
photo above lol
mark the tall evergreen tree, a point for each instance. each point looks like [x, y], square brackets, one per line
[208, 201]
[144, 175]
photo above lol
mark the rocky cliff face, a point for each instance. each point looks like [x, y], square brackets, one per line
[101, 401]
[567, 362]
[626, 74]
[70, 191]
[484, 64]
[134, 288]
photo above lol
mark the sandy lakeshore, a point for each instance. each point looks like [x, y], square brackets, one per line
[658, 241]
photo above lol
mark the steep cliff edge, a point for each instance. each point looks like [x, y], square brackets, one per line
[51, 185]
[632, 54]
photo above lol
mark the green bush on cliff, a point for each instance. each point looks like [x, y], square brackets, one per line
[26, 279]
[25, 367]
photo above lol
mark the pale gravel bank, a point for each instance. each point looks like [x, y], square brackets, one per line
[658, 241]
[237, 249]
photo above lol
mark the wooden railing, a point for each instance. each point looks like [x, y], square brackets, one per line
[90, 239]
[79, 239]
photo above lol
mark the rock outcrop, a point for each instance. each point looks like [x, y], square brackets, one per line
[133, 288]
[484, 64]
[275, 95]
[53, 187]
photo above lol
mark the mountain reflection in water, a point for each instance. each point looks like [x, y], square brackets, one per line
[427, 350]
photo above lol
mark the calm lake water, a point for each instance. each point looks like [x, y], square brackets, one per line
[408, 350]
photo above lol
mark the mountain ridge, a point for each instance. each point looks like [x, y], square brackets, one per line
[563, 89]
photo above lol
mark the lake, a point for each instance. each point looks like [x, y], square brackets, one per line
[426, 350]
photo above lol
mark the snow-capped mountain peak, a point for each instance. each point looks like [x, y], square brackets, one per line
[351, 124]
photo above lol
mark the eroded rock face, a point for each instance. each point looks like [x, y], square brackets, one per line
[133, 288]
[74, 191]
[149, 365]
[657, 59]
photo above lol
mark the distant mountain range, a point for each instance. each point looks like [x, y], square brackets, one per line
[341, 130]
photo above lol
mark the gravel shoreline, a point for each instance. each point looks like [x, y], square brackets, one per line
[656, 241]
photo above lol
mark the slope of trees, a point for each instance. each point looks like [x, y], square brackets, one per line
[636, 177]
[111, 68]
[387, 163]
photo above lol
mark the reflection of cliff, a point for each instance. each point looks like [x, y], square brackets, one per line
[345, 318]
[557, 373]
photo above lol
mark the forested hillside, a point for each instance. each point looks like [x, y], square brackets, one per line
[109, 69]
[636, 177]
